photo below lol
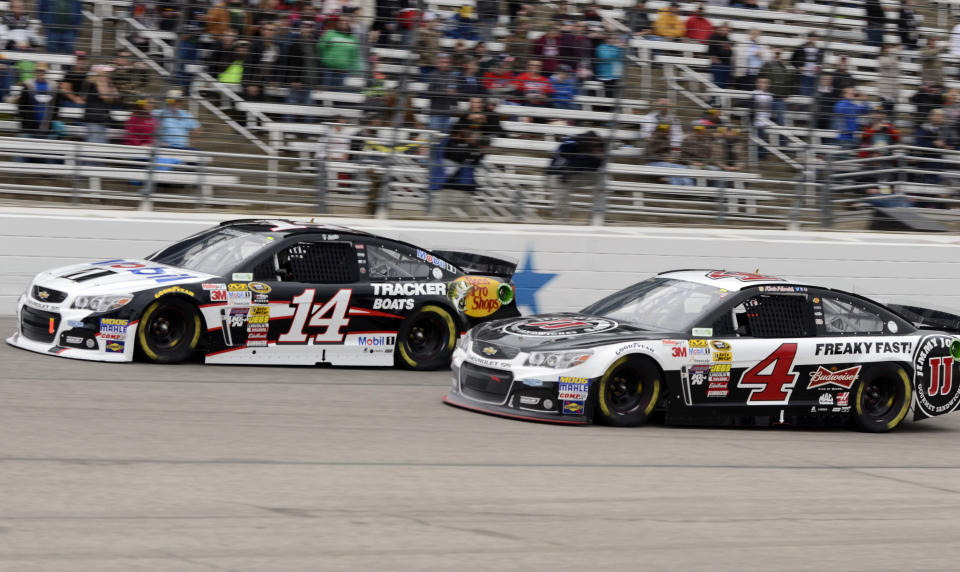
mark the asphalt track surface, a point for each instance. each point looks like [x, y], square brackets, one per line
[191, 467]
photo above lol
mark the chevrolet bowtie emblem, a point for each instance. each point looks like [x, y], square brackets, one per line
[489, 350]
[43, 294]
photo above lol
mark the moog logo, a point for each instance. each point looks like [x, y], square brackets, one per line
[375, 341]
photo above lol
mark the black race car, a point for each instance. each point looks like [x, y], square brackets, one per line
[274, 292]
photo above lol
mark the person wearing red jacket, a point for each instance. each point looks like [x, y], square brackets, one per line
[141, 126]
[499, 81]
[699, 27]
[547, 48]
[534, 87]
[880, 131]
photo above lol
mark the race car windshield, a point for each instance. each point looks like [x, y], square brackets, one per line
[658, 304]
[215, 253]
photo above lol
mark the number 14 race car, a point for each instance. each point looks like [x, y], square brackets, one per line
[268, 292]
[716, 347]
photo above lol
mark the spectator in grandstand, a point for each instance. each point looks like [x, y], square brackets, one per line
[16, 17]
[720, 50]
[931, 66]
[262, 71]
[749, 57]
[609, 64]
[488, 15]
[141, 125]
[130, 78]
[499, 81]
[485, 60]
[697, 149]
[339, 54]
[228, 15]
[698, 27]
[470, 83]
[517, 45]
[578, 51]
[35, 98]
[187, 54]
[662, 114]
[301, 66]
[386, 30]
[847, 114]
[668, 24]
[955, 40]
[951, 110]
[658, 148]
[761, 112]
[927, 98]
[233, 70]
[533, 87]
[563, 12]
[575, 165]
[907, 25]
[72, 80]
[592, 13]
[463, 25]
[878, 131]
[780, 76]
[728, 151]
[221, 53]
[934, 134]
[888, 80]
[565, 88]
[99, 95]
[462, 153]
[638, 20]
[826, 97]
[61, 21]
[442, 93]
[460, 54]
[547, 50]
[710, 119]
[428, 45]
[842, 78]
[177, 125]
[876, 22]
[479, 120]
[807, 60]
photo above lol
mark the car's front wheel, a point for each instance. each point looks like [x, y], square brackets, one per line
[169, 331]
[426, 339]
[882, 398]
[628, 391]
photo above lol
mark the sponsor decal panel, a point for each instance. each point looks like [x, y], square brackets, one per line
[479, 296]
[722, 356]
[410, 289]
[742, 276]
[529, 400]
[239, 298]
[258, 325]
[559, 326]
[210, 286]
[158, 274]
[843, 399]
[841, 379]
[572, 388]
[826, 399]
[113, 328]
[573, 407]
[860, 348]
[114, 347]
[436, 261]
[242, 276]
[718, 389]
[259, 287]
[393, 304]
[719, 372]
[219, 295]
[937, 375]
[702, 332]
[376, 340]
[698, 374]
[173, 290]
[636, 346]
[233, 321]
[720, 345]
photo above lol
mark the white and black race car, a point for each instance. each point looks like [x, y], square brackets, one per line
[715, 347]
[273, 292]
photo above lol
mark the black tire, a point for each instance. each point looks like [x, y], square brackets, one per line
[169, 331]
[882, 398]
[628, 392]
[426, 339]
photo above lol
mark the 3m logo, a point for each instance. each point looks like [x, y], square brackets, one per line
[773, 387]
[843, 378]
[741, 276]
[557, 324]
[679, 352]
[935, 376]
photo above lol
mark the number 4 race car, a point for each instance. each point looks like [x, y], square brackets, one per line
[715, 347]
[268, 292]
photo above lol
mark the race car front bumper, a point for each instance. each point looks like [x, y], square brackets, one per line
[77, 334]
[517, 392]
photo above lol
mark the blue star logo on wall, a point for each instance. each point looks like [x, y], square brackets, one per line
[528, 282]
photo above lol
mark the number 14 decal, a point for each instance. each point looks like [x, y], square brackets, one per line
[336, 307]
[774, 387]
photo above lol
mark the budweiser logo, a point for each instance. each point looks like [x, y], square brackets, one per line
[843, 378]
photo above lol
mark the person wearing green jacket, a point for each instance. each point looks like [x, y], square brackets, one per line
[339, 54]
[780, 75]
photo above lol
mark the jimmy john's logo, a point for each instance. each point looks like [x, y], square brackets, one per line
[559, 326]
[937, 375]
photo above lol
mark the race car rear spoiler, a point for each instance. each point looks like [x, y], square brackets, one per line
[478, 263]
[927, 319]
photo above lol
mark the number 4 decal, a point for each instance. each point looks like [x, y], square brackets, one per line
[336, 307]
[773, 387]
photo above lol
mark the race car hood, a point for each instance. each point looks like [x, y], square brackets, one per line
[548, 332]
[121, 275]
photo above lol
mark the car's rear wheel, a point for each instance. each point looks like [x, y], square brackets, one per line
[882, 398]
[169, 331]
[426, 339]
[628, 392]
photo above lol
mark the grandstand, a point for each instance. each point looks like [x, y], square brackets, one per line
[803, 114]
